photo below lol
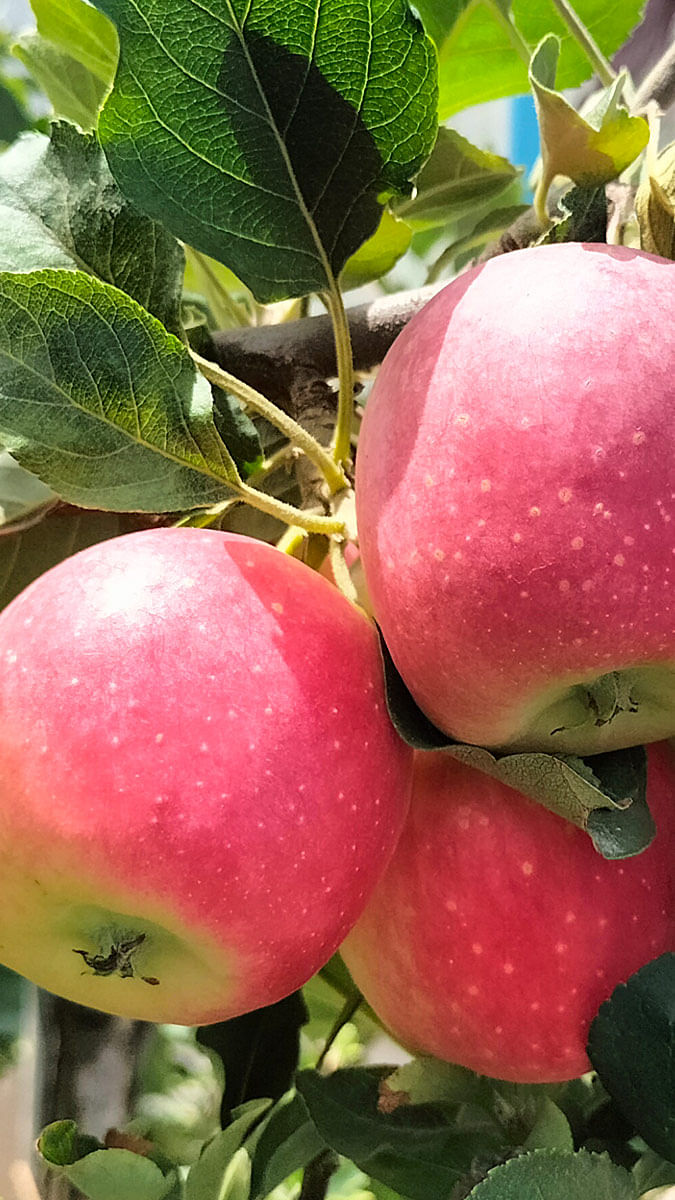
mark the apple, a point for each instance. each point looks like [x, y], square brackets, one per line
[497, 931]
[199, 781]
[514, 487]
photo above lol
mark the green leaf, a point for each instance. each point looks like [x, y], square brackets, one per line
[655, 204]
[14, 992]
[651, 1171]
[285, 1141]
[456, 180]
[82, 32]
[589, 151]
[120, 1175]
[484, 55]
[379, 253]
[274, 151]
[556, 1175]
[29, 552]
[208, 1179]
[411, 1149]
[100, 402]
[22, 495]
[13, 116]
[550, 1130]
[439, 16]
[73, 91]
[60, 207]
[60, 1144]
[632, 1047]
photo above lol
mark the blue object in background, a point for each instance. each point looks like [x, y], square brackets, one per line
[524, 149]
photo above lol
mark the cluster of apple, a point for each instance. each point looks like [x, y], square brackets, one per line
[201, 790]
[515, 487]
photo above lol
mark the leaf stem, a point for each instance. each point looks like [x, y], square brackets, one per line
[517, 39]
[341, 445]
[584, 37]
[311, 522]
[329, 467]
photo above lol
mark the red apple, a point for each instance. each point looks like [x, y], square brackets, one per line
[199, 782]
[515, 488]
[497, 930]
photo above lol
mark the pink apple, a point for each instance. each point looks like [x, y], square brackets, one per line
[199, 782]
[497, 930]
[515, 494]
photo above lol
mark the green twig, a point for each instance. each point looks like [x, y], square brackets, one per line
[329, 468]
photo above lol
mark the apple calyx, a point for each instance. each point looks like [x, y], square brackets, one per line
[606, 697]
[118, 961]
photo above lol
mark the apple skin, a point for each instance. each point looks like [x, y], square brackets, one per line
[195, 761]
[497, 931]
[514, 488]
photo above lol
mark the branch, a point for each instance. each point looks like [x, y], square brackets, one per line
[291, 362]
[659, 84]
[86, 1070]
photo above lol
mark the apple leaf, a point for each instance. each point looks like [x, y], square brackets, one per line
[22, 496]
[583, 217]
[655, 204]
[482, 44]
[100, 402]
[121, 1175]
[274, 152]
[557, 1175]
[632, 1047]
[224, 1163]
[379, 253]
[28, 552]
[456, 179]
[60, 207]
[589, 150]
[285, 1141]
[651, 1171]
[82, 32]
[61, 1143]
[412, 1149]
[73, 91]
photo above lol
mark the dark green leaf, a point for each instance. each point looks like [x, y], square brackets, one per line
[14, 990]
[73, 91]
[60, 207]
[411, 1149]
[583, 217]
[27, 553]
[237, 431]
[259, 1050]
[60, 1144]
[13, 116]
[285, 1141]
[273, 151]
[457, 179]
[556, 1175]
[100, 402]
[632, 1047]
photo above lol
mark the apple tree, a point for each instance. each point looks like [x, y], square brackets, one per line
[295, 662]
